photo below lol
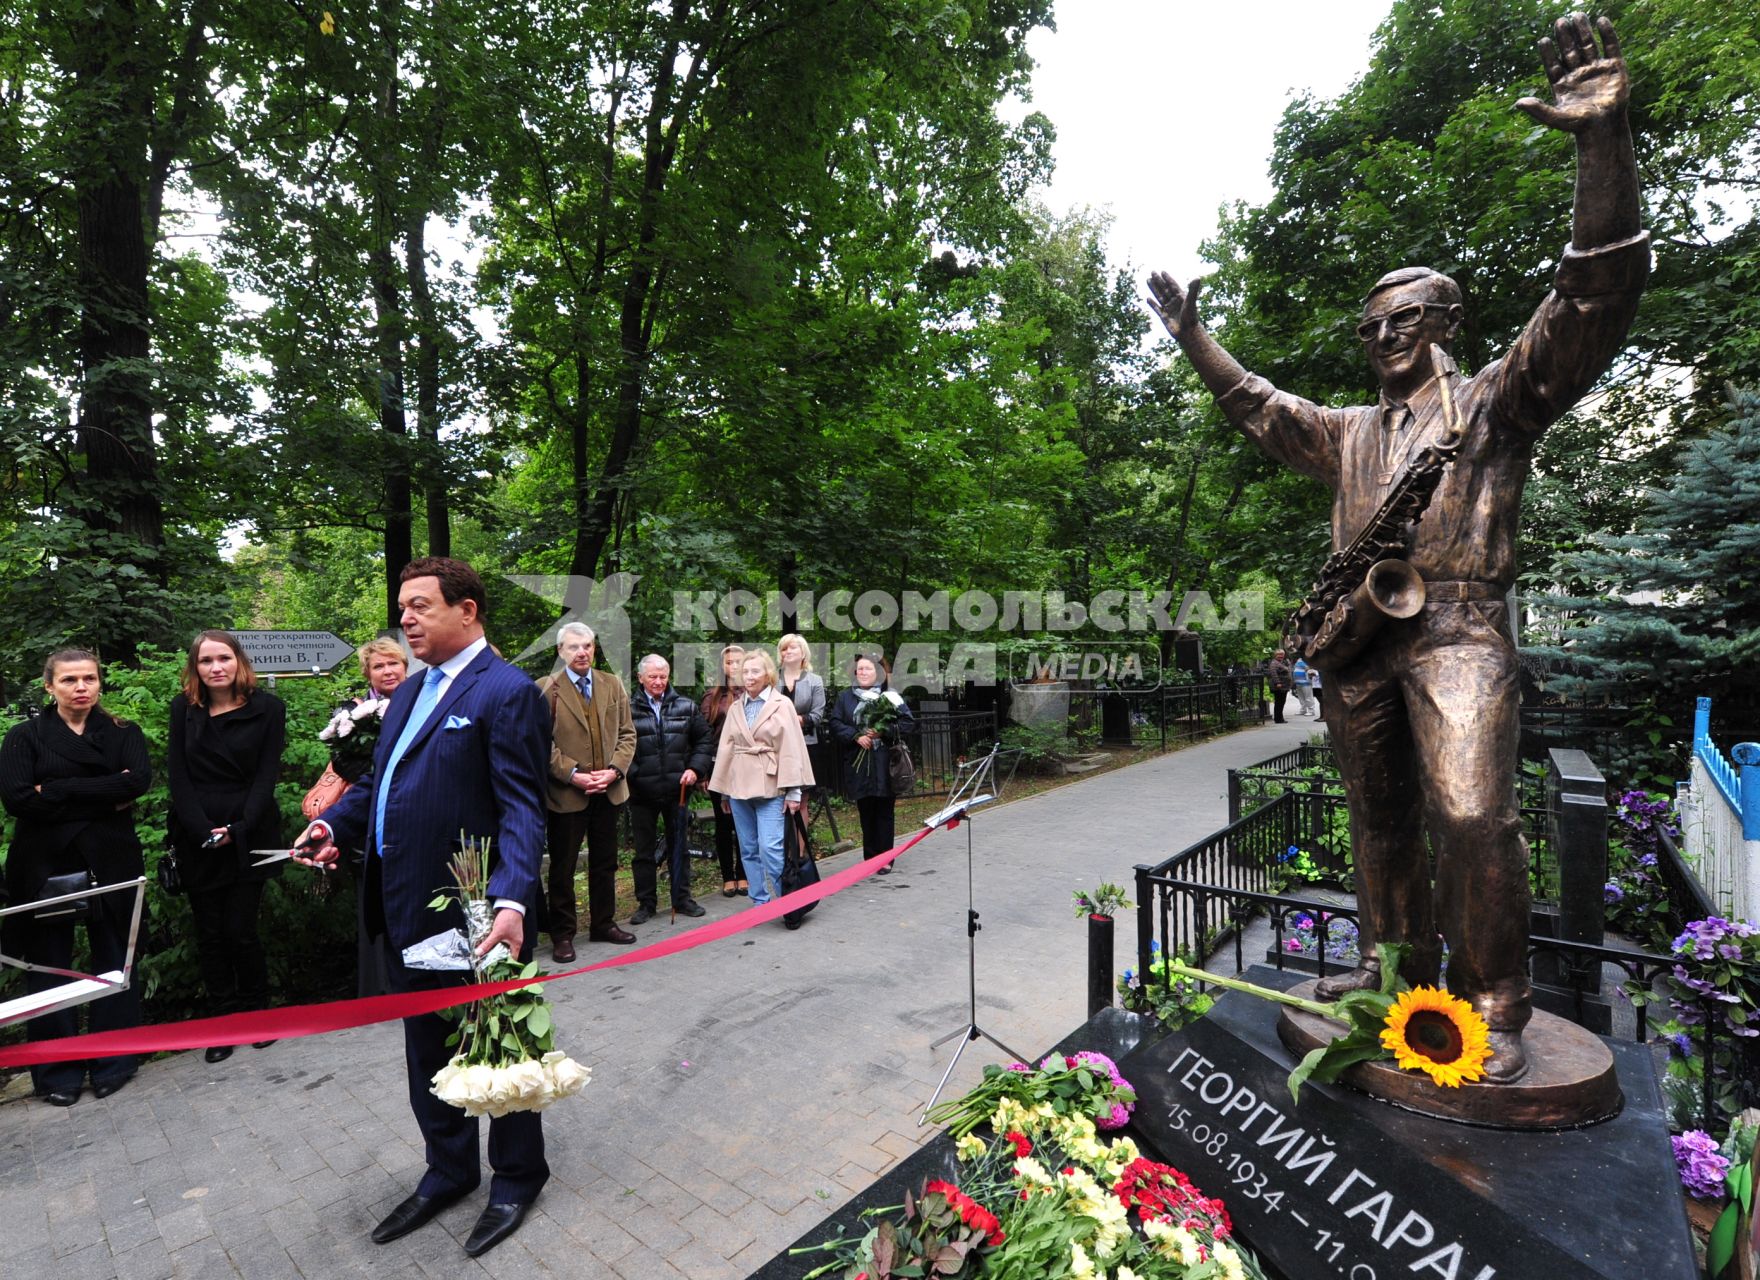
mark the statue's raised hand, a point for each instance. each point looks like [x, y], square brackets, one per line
[1588, 84]
[1178, 308]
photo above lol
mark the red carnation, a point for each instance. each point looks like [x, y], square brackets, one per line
[1021, 1146]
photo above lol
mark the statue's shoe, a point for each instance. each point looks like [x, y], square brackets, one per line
[1359, 979]
[1508, 1062]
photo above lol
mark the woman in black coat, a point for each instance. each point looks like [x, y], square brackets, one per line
[225, 753]
[867, 754]
[70, 778]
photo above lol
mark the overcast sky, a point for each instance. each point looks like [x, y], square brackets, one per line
[1165, 108]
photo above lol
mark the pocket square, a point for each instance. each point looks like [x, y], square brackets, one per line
[458, 722]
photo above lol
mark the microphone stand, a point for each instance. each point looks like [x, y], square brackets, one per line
[968, 794]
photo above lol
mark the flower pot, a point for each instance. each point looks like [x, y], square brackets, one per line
[1099, 963]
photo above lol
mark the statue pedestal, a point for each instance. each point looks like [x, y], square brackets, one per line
[1570, 1081]
[1344, 1186]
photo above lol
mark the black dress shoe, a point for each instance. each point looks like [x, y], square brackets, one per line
[416, 1211]
[497, 1223]
[261, 1044]
[689, 907]
[108, 1087]
[611, 933]
[562, 951]
[219, 1053]
[62, 1097]
[642, 915]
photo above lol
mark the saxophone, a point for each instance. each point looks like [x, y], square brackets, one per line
[1370, 581]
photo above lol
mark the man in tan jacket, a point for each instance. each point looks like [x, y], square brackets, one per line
[593, 741]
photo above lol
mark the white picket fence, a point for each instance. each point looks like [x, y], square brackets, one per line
[1720, 820]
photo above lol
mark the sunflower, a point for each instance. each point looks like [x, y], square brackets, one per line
[1431, 1031]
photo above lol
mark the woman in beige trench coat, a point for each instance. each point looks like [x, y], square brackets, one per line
[761, 766]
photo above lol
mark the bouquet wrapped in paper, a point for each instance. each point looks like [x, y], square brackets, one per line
[506, 1058]
[361, 721]
[877, 711]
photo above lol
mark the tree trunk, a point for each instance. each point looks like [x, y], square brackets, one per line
[388, 316]
[596, 499]
[428, 337]
[119, 491]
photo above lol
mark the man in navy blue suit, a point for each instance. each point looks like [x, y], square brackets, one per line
[464, 748]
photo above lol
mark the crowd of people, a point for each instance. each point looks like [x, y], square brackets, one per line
[463, 746]
[758, 743]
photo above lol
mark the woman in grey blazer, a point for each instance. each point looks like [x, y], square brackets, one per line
[795, 679]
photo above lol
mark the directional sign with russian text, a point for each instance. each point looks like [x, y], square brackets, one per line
[287, 652]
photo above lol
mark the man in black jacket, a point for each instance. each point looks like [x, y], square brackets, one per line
[672, 750]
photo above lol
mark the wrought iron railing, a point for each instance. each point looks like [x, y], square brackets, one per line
[1169, 712]
[1203, 897]
[941, 740]
[1313, 767]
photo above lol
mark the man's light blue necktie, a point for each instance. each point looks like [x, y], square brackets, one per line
[585, 685]
[426, 701]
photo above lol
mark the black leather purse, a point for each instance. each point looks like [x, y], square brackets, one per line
[169, 873]
[59, 886]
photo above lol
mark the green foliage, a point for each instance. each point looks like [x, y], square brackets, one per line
[1173, 1000]
[1425, 160]
[1041, 748]
[1106, 900]
[1671, 611]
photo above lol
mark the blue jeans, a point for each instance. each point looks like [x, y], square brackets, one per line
[759, 823]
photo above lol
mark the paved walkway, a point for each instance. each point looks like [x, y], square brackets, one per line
[740, 1092]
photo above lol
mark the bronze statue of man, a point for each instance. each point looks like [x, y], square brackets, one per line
[1424, 719]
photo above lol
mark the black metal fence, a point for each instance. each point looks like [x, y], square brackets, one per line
[1169, 712]
[1312, 767]
[939, 741]
[1205, 895]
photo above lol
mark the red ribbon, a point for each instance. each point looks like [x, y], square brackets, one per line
[338, 1015]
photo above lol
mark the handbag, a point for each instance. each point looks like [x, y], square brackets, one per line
[901, 770]
[325, 792]
[57, 886]
[799, 870]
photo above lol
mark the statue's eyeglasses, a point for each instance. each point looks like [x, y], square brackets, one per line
[1400, 319]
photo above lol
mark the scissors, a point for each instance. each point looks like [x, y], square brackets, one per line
[265, 857]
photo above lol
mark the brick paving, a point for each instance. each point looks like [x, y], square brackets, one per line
[740, 1093]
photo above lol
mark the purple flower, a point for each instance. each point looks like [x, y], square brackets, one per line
[1117, 1118]
[1612, 893]
[1701, 1166]
[1094, 1059]
[1680, 1044]
[1730, 950]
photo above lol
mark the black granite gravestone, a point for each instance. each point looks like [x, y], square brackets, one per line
[1345, 1186]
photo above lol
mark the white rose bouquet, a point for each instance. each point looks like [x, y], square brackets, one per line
[506, 1059]
[363, 720]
